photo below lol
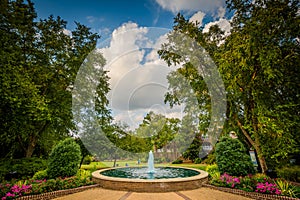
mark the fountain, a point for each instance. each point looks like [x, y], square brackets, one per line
[150, 163]
[148, 179]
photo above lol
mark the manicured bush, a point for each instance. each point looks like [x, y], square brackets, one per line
[177, 162]
[40, 175]
[87, 160]
[64, 159]
[20, 168]
[289, 173]
[231, 158]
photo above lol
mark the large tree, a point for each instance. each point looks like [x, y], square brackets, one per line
[259, 64]
[39, 62]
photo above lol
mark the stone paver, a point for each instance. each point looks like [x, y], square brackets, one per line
[198, 194]
[207, 193]
[94, 194]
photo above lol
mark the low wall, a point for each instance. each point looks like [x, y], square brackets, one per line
[143, 185]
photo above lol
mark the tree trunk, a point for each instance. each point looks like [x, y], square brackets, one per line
[256, 146]
[33, 138]
[31, 146]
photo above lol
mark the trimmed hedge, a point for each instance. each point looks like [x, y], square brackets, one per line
[64, 159]
[231, 158]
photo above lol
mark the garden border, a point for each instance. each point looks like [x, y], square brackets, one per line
[253, 195]
[58, 193]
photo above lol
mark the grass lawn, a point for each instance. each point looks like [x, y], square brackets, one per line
[122, 163]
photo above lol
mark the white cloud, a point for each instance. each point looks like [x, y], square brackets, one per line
[224, 24]
[198, 17]
[221, 12]
[67, 32]
[137, 76]
[104, 31]
[191, 5]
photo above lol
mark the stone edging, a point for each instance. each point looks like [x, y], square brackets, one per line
[253, 195]
[58, 193]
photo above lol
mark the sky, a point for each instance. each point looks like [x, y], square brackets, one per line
[131, 33]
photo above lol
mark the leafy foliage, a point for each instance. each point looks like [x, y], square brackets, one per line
[291, 173]
[39, 63]
[64, 159]
[40, 175]
[259, 64]
[20, 168]
[232, 158]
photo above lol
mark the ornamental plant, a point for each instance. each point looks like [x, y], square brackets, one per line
[267, 188]
[230, 180]
[31, 187]
[16, 191]
[64, 159]
[231, 158]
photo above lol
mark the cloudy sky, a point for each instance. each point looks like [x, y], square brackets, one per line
[131, 33]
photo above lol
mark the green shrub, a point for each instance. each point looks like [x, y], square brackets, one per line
[198, 161]
[83, 174]
[87, 160]
[20, 168]
[177, 162]
[64, 159]
[213, 173]
[40, 175]
[231, 158]
[211, 159]
[289, 173]
[212, 169]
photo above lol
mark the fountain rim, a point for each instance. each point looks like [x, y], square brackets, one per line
[97, 174]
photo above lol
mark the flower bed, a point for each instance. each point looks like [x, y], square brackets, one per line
[33, 187]
[253, 195]
[257, 184]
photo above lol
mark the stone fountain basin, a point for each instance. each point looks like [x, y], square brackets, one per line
[150, 185]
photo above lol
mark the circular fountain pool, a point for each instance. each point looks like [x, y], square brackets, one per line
[138, 179]
[142, 173]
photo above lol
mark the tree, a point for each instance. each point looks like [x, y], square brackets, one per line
[83, 150]
[39, 63]
[259, 64]
[158, 129]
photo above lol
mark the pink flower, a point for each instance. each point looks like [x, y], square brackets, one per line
[10, 194]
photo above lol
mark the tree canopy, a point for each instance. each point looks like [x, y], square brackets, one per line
[39, 62]
[259, 65]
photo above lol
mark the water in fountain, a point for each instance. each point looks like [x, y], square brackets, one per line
[150, 163]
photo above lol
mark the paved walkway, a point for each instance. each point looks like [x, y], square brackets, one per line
[198, 194]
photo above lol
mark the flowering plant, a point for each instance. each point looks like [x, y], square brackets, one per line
[16, 191]
[230, 181]
[29, 187]
[268, 188]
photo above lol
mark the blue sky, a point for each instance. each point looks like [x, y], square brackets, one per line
[132, 32]
[105, 16]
